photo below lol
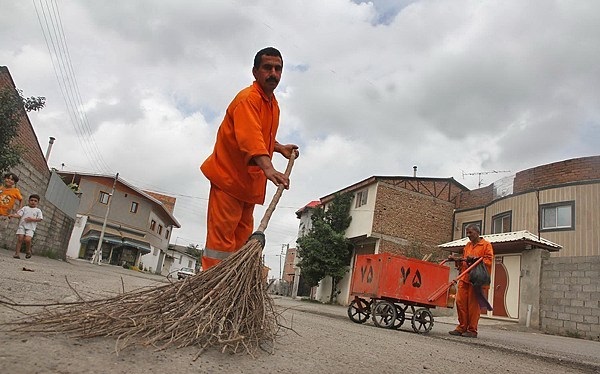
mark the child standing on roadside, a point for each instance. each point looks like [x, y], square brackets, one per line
[29, 216]
[9, 195]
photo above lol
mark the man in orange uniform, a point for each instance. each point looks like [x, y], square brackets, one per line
[467, 306]
[240, 164]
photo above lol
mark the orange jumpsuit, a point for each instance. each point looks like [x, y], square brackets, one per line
[467, 307]
[236, 183]
[8, 197]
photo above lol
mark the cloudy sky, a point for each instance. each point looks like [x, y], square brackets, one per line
[369, 88]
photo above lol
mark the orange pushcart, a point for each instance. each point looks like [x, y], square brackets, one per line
[389, 288]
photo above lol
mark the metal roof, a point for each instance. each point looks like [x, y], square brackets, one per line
[507, 237]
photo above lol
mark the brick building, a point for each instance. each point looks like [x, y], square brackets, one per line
[58, 202]
[402, 215]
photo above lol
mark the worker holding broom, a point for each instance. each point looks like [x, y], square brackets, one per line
[240, 164]
[470, 299]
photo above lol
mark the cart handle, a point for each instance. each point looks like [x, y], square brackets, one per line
[440, 291]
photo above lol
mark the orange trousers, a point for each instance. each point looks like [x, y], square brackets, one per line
[229, 224]
[467, 307]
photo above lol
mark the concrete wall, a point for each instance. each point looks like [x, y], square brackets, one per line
[570, 296]
[531, 274]
[52, 235]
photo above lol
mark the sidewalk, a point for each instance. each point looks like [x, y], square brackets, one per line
[494, 334]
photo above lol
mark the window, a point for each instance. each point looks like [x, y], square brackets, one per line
[104, 197]
[467, 224]
[160, 229]
[502, 223]
[361, 198]
[152, 225]
[167, 234]
[558, 216]
[134, 207]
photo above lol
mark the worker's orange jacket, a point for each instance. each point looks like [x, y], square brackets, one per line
[484, 249]
[248, 130]
[8, 197]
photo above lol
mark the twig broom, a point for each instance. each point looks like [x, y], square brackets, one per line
[226, 306]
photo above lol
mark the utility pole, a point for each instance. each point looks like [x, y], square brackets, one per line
[281, 257]
[97, 257]
[480, 173]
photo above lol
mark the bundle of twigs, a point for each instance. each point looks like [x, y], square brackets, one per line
[226, 306]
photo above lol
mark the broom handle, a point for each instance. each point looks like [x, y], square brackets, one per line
[265, 220]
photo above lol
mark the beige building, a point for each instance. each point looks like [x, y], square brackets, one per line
[139, 223]
[551, 211]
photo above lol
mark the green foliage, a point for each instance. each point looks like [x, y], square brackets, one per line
[194, 250]
[324, 250]
[12, 104]
[74, 187]
[32, 103]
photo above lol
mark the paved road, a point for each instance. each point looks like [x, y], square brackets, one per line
[493, 334]
[321, 339]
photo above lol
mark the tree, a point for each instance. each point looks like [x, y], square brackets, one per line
[194, 250]
[325, 250]
[12, 104]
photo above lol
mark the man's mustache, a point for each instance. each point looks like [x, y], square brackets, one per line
[272, 79]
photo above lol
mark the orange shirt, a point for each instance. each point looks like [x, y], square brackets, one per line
[248, 130]
[8, 196]
[484, 249]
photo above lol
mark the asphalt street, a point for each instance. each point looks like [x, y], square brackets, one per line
[315, 337]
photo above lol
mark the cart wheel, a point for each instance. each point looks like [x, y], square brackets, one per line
[400, 316]
[358, 311]
[384, 314]
[422, 321]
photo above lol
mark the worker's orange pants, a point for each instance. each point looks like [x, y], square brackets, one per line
[230, 223]
[467, 307]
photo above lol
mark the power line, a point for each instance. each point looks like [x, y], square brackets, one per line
[55, 39]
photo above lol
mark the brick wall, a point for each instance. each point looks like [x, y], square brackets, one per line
[475, 198]
[570, 294]
[408, 221]
[557, 173]
[53, 233]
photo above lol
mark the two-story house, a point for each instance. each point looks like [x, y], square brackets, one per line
[393, 214]
[544, 225]
[138, 224]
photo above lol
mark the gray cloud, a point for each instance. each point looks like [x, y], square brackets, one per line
[368, 88]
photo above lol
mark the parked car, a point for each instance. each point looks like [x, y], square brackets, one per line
[185, 272]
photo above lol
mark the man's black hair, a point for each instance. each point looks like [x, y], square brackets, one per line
[35, 196]
[269, 51]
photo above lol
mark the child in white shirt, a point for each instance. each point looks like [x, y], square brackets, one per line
[29, 216]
